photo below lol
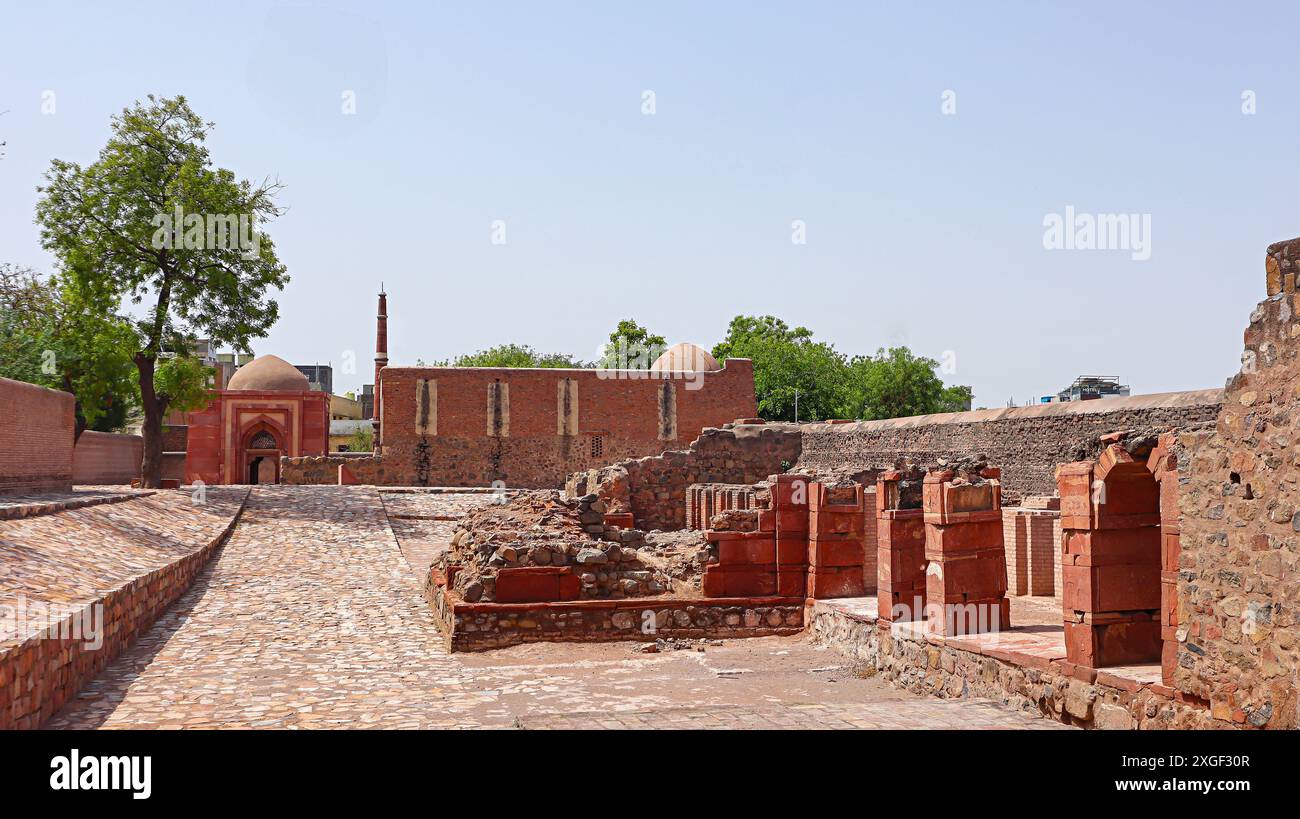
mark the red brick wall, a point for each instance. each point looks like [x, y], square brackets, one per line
[105, 458]
[620, 415]
[36, 431]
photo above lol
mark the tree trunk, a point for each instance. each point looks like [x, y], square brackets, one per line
[151, 465]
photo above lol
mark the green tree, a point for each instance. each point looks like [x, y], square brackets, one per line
[631, 347]
[150, 221]
[789, 368]
[895, 383]
[515, 355]
[363, 439]
[48, 337]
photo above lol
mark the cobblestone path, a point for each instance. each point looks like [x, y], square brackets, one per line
[311, 617]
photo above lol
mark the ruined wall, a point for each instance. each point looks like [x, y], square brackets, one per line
[106, 458]
[36, 431]
[654, 489]
[453, 426]
[1238, 635]
[1025, 442]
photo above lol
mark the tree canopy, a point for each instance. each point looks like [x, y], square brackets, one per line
[790, 363]
[515, 355]
[153, 222]
[48, 337]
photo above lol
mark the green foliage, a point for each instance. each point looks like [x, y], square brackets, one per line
[631, 347]
[890, 384]
[515, 355]
[152, 221]
[49, 336]
[363, 439]
[896, 384]
[183, 383]
[788, 364]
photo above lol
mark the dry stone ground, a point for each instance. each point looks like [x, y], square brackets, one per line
[311, 617]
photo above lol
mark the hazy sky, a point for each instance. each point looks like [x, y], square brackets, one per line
[922, 227]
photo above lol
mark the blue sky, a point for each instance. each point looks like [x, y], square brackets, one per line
[922, 228]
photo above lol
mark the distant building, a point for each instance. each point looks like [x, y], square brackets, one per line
[342, 432]
[343, 408]
[1088, 387]
[367, 399]
[320, 376]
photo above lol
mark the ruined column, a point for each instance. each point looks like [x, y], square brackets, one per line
[900, 546]
[1163, 465]
[1110, 560]
[966, 577]
[837, 517]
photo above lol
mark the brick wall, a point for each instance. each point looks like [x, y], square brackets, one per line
[1026, 442]
[106, 458]
[36, 436]
[532, 427]
[1237, 631]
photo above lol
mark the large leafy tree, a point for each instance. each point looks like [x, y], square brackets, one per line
[515, 355]
[49, 337]
[113, 227]
[894, 383]
[631, 347]
[795, 377]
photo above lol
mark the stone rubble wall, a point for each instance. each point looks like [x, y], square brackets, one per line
[1238, 577]
[1086, 699]
[1026, 442]
[35, 438]
[105, 458]
[654, 488]
[147, 552]
[477, 627]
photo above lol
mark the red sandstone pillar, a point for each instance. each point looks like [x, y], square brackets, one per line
[966, 579]
[836, 550]
[1110, 560]
[1163, 465]
[900, 554]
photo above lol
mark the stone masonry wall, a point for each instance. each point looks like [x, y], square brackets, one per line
[1025, 442]
[105, 458]
[1239, 577]
[654, 489]
[36, 431]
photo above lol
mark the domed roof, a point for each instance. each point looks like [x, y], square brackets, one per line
[270, 374]
[686, 357]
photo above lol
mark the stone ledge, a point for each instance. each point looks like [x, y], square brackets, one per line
[1027, 676]
[481, 626]
[30, 506]
[42, 671]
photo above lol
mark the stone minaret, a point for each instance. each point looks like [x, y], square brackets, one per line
[381, 361]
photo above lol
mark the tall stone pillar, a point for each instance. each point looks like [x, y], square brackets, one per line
[900, 548]
[966, 577]
[1110, 560]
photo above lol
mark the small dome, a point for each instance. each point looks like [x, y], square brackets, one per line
[269, 373]
[685, 357]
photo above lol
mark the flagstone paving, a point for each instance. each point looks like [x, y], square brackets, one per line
[311, 617]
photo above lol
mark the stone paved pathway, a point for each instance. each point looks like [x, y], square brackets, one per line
[311, 617]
